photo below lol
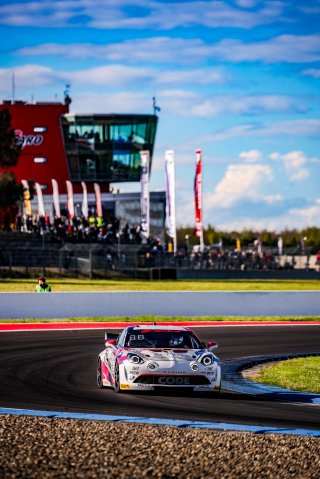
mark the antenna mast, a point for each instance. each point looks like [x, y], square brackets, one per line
[13, 88]
[156, 108]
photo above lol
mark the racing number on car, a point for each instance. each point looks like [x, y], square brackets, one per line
[133, 337]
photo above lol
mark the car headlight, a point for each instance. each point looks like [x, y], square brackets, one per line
[152, 366]
[207, 360]
[194, 366]
[134, 358]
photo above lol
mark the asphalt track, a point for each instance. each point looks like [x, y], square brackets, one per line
[56, 371]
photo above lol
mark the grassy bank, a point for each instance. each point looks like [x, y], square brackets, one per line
[67, 284]
[301, 374]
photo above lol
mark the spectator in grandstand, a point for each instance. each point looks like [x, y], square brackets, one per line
[42, 286]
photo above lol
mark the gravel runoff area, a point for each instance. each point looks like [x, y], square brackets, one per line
[35, 447]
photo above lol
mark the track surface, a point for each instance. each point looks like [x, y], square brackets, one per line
[56, 371]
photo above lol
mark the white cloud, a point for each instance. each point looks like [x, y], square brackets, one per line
[294, 164]
[251, 156]
[244, 199]
[285, 48]
[174, 101]
[291, 218]
[239, 182]
[203, 76]
[120, 102]
[312, 72]
[110, 76]
[238, 201]
[246, 3]
[150, 14]
[308, 216]
[246, 104]
[271, 199]
[28, 76]
[297, 128]
[139, 50]
[286, 218]
[178, 101]
[183, 102]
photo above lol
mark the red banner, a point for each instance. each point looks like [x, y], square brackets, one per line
[198, 194]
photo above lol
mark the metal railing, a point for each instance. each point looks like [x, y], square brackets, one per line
[94, 260]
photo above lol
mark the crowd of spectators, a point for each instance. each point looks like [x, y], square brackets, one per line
[79, 229]
[153, 252]
[232, 259]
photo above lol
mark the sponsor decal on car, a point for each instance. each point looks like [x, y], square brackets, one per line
[174, 372]
[172, 380]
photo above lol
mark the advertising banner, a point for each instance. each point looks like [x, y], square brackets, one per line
[27, 197]
[145, 197]
[198, 196]
[170, 197]
[84, 207]
[70, 203]
[98, 199]
[41, 210]
[56, 200]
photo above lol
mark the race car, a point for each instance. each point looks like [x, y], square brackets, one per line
[145, 358]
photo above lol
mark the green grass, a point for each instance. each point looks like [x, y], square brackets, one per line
[158, 319]
[67, 284]
[302, 374]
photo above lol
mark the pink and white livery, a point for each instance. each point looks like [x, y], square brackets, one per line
[144, 358]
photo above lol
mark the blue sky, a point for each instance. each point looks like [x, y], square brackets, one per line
[238, 78]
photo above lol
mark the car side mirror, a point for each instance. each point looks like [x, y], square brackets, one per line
[110, 342]
[212, 345]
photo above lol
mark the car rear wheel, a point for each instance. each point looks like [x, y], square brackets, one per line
[99, 375]
[116, 377]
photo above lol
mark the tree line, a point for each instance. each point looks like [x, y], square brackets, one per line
[291, 238]
[11, 192]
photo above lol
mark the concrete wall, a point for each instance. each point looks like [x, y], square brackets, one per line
[296, 274]
[106, 304]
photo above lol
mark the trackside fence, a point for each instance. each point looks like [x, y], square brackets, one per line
[94, 260]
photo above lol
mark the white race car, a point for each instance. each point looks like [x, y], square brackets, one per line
[148, 357]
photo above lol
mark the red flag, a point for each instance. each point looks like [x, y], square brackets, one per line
[198, 194]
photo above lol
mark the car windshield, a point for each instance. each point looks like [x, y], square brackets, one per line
[145, 338]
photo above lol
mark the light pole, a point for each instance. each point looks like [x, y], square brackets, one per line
[43, 248]
[187, 243]
[118, 237]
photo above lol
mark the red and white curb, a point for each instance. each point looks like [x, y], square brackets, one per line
[61, 326]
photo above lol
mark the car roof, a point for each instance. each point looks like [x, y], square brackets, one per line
[156, 327]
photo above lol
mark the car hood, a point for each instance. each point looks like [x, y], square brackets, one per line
[168, 354]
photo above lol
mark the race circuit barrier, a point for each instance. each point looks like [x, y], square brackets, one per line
[181, 303]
